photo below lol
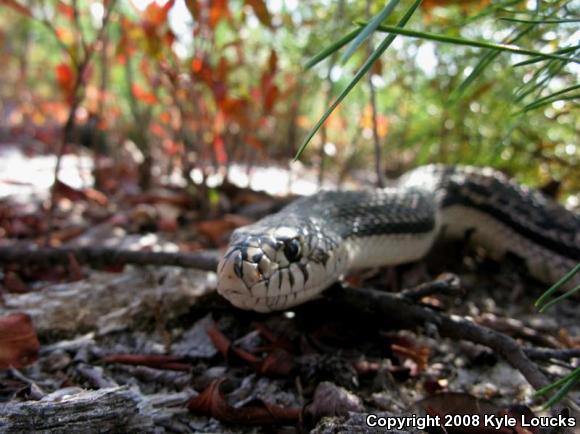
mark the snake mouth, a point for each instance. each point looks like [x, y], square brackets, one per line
[266, 273]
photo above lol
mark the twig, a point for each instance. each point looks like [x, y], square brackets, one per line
[70, 122]
[516, 329]
[403, 313]
[373, 104]
[103, 256]
[77, 21]
[328, 100]
[48, 24]
[446, 284]
[550, 353]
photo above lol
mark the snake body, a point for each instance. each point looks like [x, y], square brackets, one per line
[289, 257]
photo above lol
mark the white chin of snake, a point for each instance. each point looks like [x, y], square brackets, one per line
[235, 289]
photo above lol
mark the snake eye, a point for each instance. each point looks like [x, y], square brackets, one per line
[292, 250]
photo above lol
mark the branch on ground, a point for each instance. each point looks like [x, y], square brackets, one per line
[103, 256]
[403, 313]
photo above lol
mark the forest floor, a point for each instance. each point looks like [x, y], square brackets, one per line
[124, 348]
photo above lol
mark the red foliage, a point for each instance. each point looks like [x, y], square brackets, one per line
[218, 10]
[143, 95]
[66, 10]
[261, 11]
[14, 5]
[65, 77]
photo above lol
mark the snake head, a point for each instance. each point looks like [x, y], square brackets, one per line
[271, 267]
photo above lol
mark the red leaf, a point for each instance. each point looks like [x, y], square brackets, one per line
[224, 346]
[212, 403]
[67, 10]
[15, 6]
[65, 77]
[218, 230]
[62, 189]
[271, 93]
[18, 341]
[217, 11]
[254, 142]
[202, 70]
[220, 150]
[278, 363]
[219, 340]
[418, 354]
[261, 11]
[272, 62]
[193, 6]
[155, 14]
[142, 95]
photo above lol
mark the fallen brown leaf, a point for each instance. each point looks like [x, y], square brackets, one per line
[230, 352]
[218, 230]
[13, 283]
[212, 403]
[74, 268]
[19, 344]
[74, 194]
[278, 363]
[182, 200]
[275, 341]
[418, 354]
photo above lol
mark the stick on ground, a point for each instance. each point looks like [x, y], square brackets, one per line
[103, 256]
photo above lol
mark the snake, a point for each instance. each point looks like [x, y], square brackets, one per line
[290, 257]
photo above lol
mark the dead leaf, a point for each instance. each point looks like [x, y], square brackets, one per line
[418, 354]
[278, 363]
[74, 268]
[13, 283]
[212, 403]
[181, 200]
[230, 352]
[219, 340]
[281, 342]
[75, 194]
[19, 344]
[218, 230]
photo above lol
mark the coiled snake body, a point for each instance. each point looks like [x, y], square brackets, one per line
[289, 257]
